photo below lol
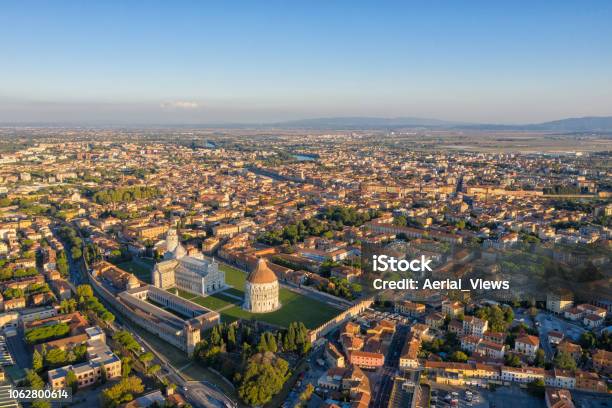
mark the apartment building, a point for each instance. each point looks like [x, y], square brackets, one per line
[409, 308]
[474, 326]
[527, 345]
[101, 362]
[366, 359]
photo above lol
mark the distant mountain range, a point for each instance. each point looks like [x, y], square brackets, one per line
[584, 124]
[587, 124]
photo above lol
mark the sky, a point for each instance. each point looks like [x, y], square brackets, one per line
[179, 62]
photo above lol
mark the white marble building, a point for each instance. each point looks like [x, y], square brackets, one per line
[261, 290]
[194, 274]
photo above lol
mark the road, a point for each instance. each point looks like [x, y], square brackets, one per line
[390, 368]
[17, 347]
[547, 322]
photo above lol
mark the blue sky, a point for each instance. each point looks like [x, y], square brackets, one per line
[258, 61]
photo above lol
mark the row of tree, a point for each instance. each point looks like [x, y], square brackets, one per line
[56, 357]
[122, 392]
[323, 225]
[124, 194]
[88, 302]
[8, 272]
[341, 288]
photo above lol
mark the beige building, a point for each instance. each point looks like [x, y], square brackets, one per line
[101, 361]
[453, 309]
[409, 308]
[558, 302]
[168, 316]
[410, 353]
[174, 319]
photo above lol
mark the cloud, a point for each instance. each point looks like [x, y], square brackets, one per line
[180, 105]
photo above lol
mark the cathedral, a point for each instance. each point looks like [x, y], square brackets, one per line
[191, 273]
[261, 289]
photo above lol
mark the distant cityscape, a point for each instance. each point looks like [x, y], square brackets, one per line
[229, 267]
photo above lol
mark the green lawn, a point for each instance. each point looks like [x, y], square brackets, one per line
[143, 273]
[295, 307]
[233, 277]
[213, 302]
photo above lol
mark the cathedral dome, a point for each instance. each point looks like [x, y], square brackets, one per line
[179, 252]
[262, 273]
[133, 282]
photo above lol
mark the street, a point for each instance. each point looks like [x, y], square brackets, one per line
[388, 371]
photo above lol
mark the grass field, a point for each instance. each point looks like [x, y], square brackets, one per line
[294, 306]
[139, 269]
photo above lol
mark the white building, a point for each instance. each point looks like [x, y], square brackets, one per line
[189, 273]
[261, 289]
[527, 345]
[474, 326]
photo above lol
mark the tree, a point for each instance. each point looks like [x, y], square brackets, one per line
[307, 393]
[84, 291]
[459, 356]
[262, 346]
[45, 333]
[263, 378]
[508, 314]
[37, 361]
[122, 392]
[76, 252]
[588, 340]
[231, 338]
[536, 387]
[68, 306]
[34, 380]
[146, 358]
[12, 293]
[540, 358]
[272, 343]
[103, 374]
[153, 369]
[56, 357]
[72, 381]
[512, 360]
[565, 361]
[296, 338]
[128, 341]
[126, 367]
[62, 263]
